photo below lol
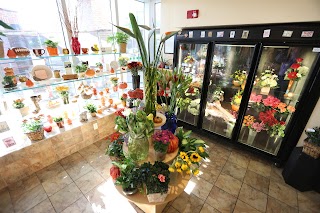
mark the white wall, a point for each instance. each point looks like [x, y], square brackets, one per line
[236, 12]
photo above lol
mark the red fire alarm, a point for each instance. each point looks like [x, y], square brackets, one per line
[192, 14]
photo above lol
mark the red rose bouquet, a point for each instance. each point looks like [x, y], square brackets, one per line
[296, 71]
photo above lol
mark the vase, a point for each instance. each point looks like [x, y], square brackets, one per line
[229, 129]
[24, 111]
[136, 147]
[160, 156]
[60, 124]
[265, 90]
[93, 114]
[150, 94]
[11, 53]
[115, 88]
[291, 87]
[243, 132]
[273, 144]
[252, 135]
[129, 191]
[171, 122]
[156, 197]
[75, 45]
[135, 81]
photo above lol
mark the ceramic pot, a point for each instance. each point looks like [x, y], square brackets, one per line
[52, 51]
[123, 47]
[11, 53]
[93, 114]
[65, 51]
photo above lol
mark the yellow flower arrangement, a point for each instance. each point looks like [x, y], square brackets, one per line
[248, 120]
[184, 167]
[184, 156]
[177, 164]
[201, 149]
[195, 157]
[62, 88]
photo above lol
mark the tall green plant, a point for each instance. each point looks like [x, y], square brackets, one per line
[4, 25]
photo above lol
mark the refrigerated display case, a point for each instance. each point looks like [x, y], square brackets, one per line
[259, 83]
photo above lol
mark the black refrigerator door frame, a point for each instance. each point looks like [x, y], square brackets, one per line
[205, 76]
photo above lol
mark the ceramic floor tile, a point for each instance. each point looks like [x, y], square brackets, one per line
[206, 208]
[102, 144]
[170, 210]
[29, 199]
[89, 181]
[239, 159]
[220, 152]
[81, 205]
[234, 170]
[309, 201]
[22, 186]
[221, 200]
[50, 171]
[261, 168]
[242, 207]
[257, 181]
[71, 160]
[102, 167]
[65, 197]
[284, 193]
[229, 184]
[253, 197]
[79, 169]
[5, 202]
[276, 206]
[187, 203]
[43, 207]
[209, 173]
[217, 162]
[56, 183]
[89, 151]
[202, 188]
[276, 174]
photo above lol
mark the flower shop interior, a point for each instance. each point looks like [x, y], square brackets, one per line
[159, 106]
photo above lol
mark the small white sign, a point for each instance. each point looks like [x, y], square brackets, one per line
[210, 34]
[232, 34]
[266, 33]
[316, 50]
[287, 33]
[220, 34]
[307, 34]
[203, 34]
[190, 34]
[245, 34]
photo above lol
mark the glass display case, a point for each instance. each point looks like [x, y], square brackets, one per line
[192, 60]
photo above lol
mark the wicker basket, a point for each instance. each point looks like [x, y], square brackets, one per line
[36, 136]
[311, 149]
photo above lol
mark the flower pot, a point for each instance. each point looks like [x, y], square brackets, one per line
[36, 136]
[11, 53]
[135, 81]
[311, 149]
[160, 156]
[123, 47]
[60, 124]
[93, 114]
[52, 51]
[157, 197]
[235, 107]
[129, 191]
[75, 45]
[252, 135]
[115, 88]
[24, 111]
[236, 83]
[136, 147]
[171, 122]
[265, 90]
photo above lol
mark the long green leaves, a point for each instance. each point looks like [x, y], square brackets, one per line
[5, 25]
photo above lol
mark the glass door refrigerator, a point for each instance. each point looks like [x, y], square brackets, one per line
[257, 85]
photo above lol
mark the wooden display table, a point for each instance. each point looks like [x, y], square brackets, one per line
[176, 187]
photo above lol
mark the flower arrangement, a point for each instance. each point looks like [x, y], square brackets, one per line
[313, 135]
[114, 150]
[114, 80]
[270, 103]
[296, 71]
[272, 125]
[18, 104]
[248, 120]
[136, 94]
[257, 127]
[218, 94]
[239, 75]
[161, 140]
[123, 61]
[267, 79]
[124, 97]
[63, 91]
[134, 67]
[32, 126]
[236, 99]
[189, 60]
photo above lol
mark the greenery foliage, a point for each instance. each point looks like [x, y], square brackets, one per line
[313, 135]
[31, 126]
[115, 148]
[91, 108]
[119, 37]
[130, 174]
[57, 119]
[50, 43]
[81, 68]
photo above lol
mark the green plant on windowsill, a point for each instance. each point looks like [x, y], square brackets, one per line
[31, 126]
[119, 38]
[81, 68]
[57, 119]
[91, 108]
[18, 104]
[50, 43]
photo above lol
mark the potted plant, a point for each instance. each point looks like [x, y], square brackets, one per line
[52, 47]
[81, 70]
[121, 39]
[9, 82]
[59, 121]
[92, 109]
[217, 95]
[134, 67]
[114, 81]
[160, 144]
[33, 129]
[18, 104]
[99, 65]
[129, 177]
[236, 100]
[239, 77]
[156, 179]
[114, 150]
[311, 145]
[123, 61]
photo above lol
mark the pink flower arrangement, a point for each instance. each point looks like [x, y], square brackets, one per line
[271, 101]
[258, 127]
[162, 136]
[255, 98]
[162, 178]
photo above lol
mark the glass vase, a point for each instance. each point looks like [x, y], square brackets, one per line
[75, 44]
[150, 90]
[160, 156]
[171, 122]
[136, 147]
[252, 135]
[135, 81]
[273, 144]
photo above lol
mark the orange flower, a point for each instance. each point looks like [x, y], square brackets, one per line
[282, 107]
[248, 120]
[291, 109]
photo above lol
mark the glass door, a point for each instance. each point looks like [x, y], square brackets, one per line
[192, 60]
[230, 68]
[281, 76]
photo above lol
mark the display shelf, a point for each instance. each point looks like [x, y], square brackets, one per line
[12, 60]
[58, 82]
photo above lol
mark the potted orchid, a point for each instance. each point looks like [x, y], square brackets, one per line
[160, 144]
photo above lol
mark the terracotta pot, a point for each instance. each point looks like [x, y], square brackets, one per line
[52, 51]
[123, 47]
[93, 114]
[235, 107]
[60, 124]
[11, 53]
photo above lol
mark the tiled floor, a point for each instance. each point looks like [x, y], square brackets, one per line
[231, 181]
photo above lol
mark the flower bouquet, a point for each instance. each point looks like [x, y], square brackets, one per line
[134, 67]
[217, 94]
[160, 144]
[114, 81]
[139, 128]
[254, 128]
[239, 77]
[64, 93]
[236, 101]
[267, 80]
[311, 145]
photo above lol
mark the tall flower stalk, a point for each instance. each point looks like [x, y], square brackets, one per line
[149, 64]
